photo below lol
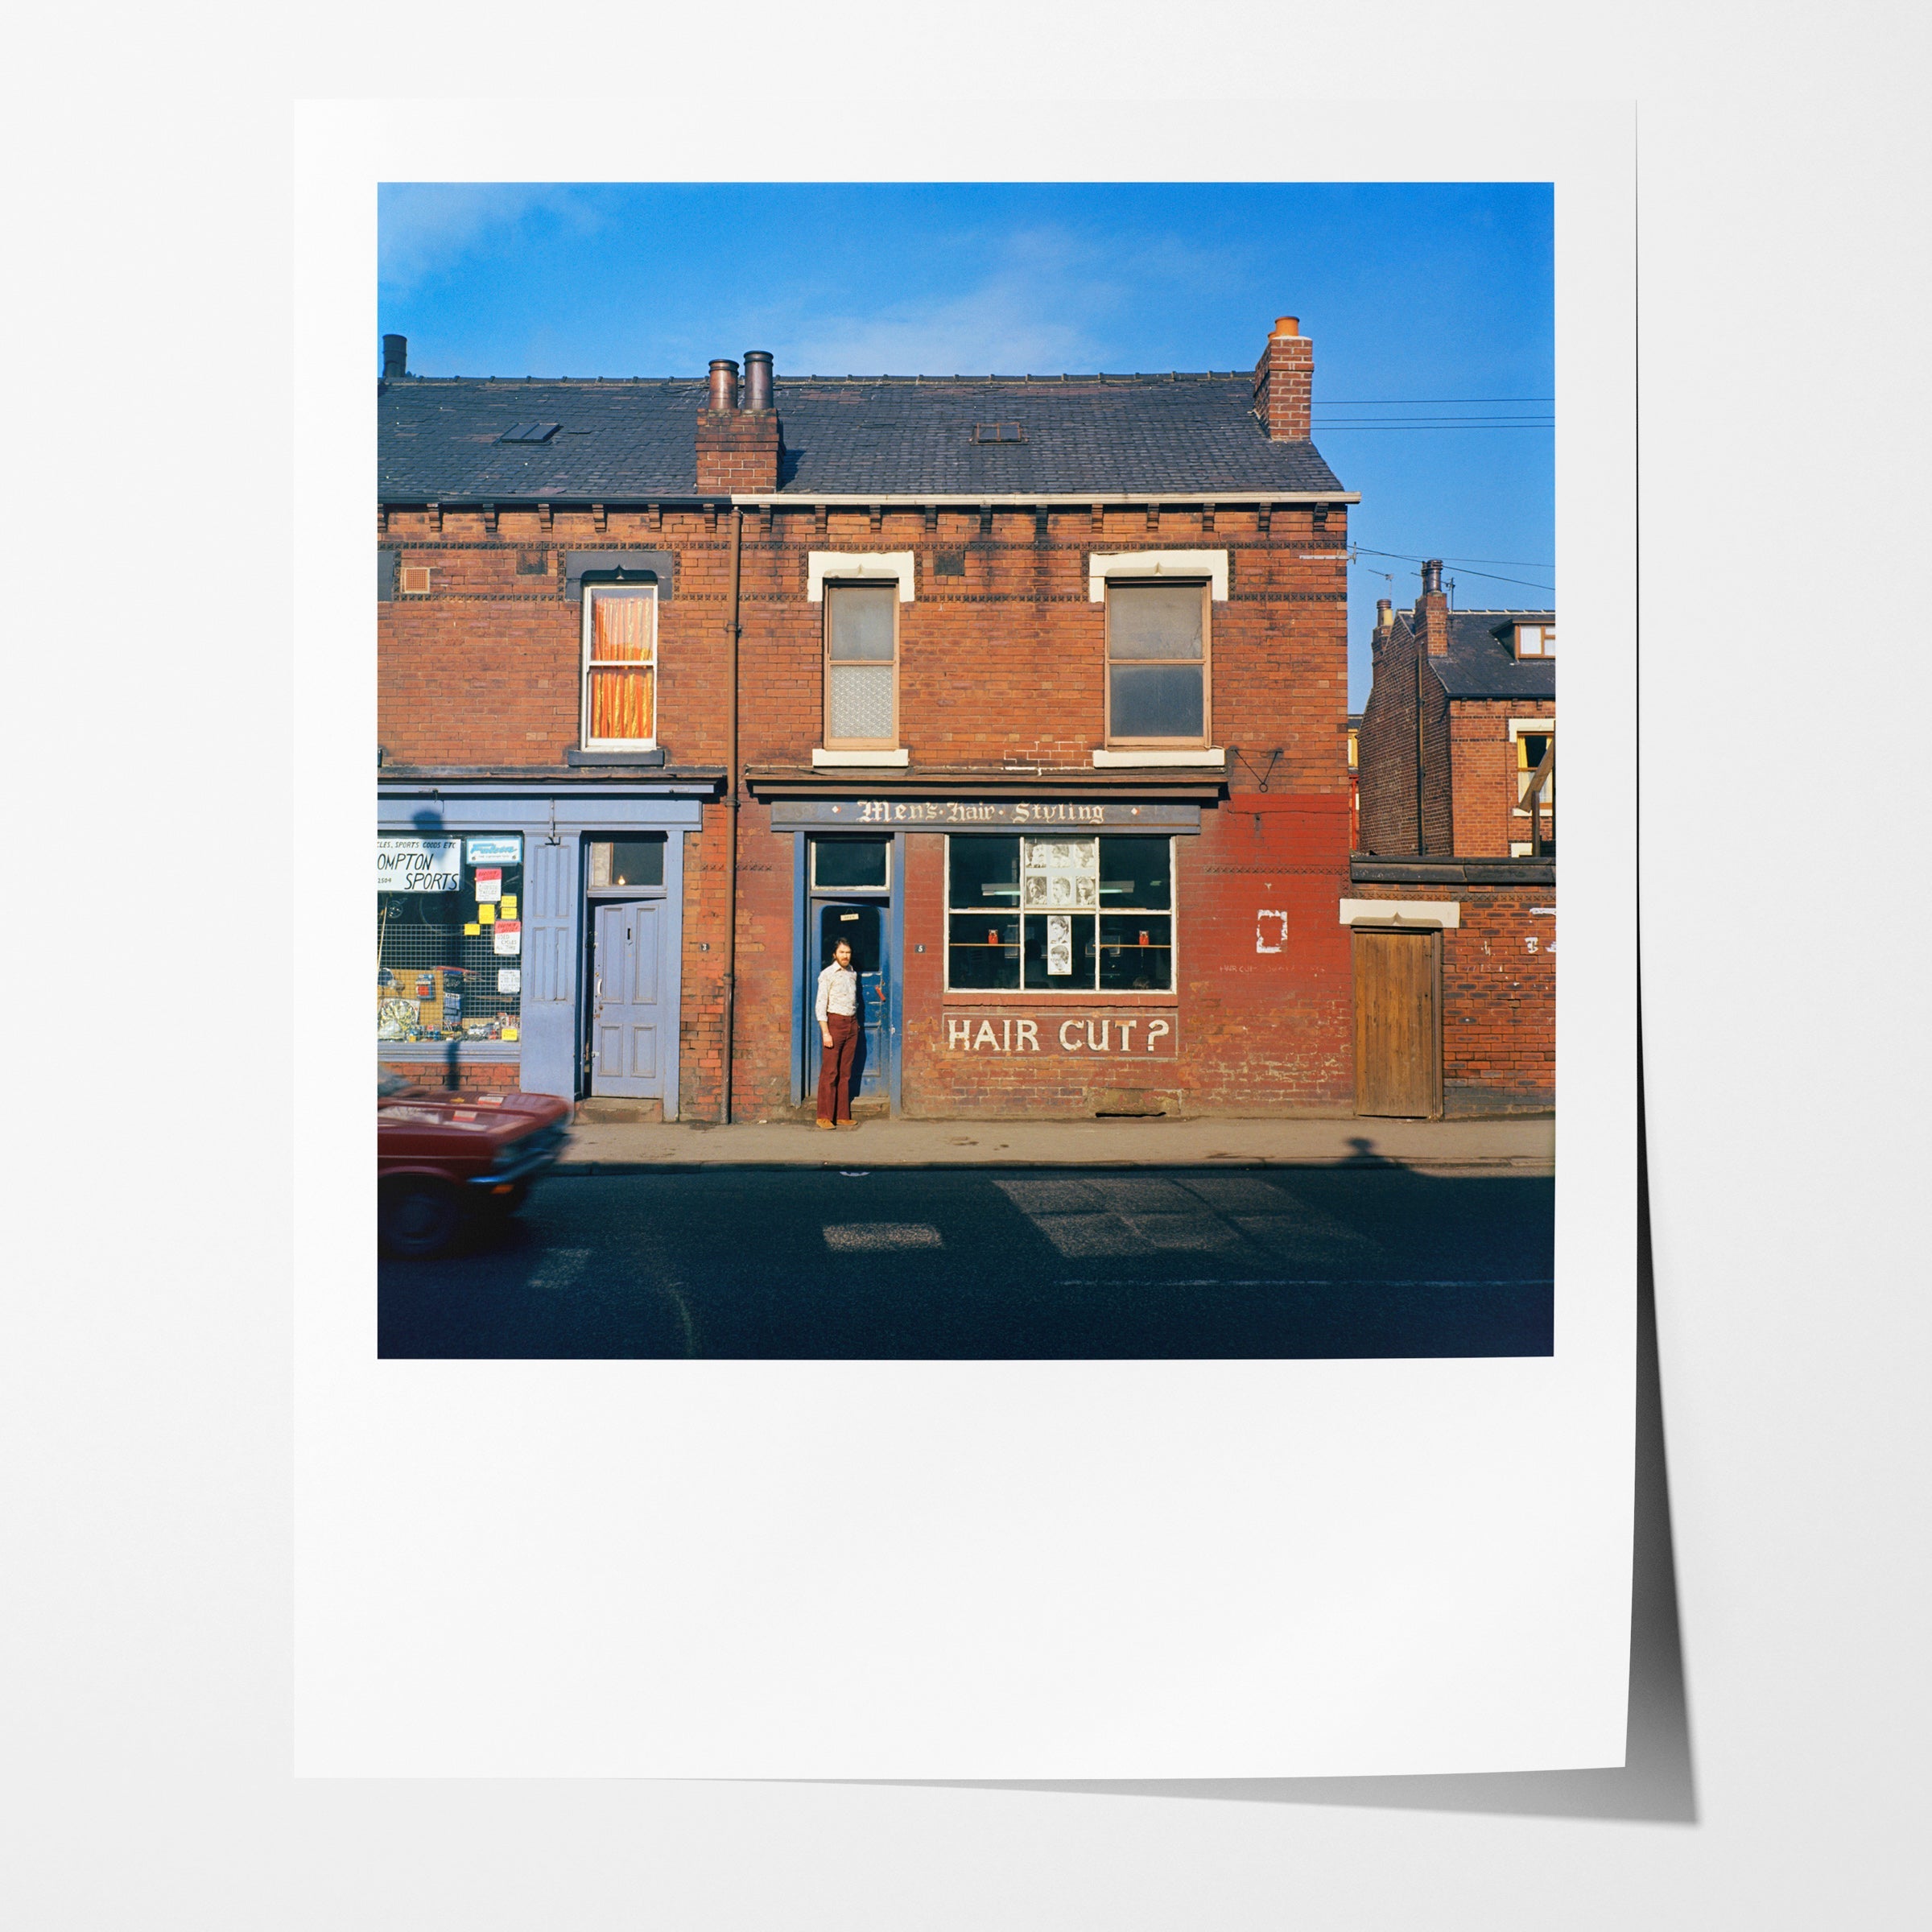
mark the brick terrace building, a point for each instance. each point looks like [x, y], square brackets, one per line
[1452, 744]
[1040, 698]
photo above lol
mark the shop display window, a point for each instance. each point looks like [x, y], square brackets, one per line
[449, 938]
[1059, 915]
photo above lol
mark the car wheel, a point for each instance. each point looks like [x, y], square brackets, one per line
[419, 1217]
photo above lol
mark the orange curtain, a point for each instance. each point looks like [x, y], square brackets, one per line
[622, 634]
[619, 704]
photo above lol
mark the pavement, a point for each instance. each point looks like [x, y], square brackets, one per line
[1509, 1144]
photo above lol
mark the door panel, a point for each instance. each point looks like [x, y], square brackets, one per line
[1398, 1053]
[863, 923]
[625, 1018]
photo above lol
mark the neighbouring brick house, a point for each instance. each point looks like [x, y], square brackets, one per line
[1457, 772]
[1040, 698]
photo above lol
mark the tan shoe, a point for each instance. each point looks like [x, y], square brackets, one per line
[825, 1126]
[849, 1123]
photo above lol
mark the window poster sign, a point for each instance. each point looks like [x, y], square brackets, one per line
[496, 851]
[508, 938]
[490, 883]
[419, 864]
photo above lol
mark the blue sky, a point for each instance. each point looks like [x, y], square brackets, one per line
[1423, 301]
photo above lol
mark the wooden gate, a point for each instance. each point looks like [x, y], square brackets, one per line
[1398, 1024]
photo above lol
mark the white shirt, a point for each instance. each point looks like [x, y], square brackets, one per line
[838, 991]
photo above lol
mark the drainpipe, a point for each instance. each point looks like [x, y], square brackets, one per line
[731, 818]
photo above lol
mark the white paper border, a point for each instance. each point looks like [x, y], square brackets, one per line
[968, 1570]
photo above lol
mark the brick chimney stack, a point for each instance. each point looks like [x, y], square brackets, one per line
[1284, 380]
[1432, 610]
[738, 448]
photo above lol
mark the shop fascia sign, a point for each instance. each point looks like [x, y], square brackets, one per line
[941, 814]
[419, 864]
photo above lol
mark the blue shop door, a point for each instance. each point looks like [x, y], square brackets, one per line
[625, 1027]
[863, 924]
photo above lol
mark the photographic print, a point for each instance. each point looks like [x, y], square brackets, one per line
[967, 1138]
[1123, 803]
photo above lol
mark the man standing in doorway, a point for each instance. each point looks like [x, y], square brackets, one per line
[838, 1015]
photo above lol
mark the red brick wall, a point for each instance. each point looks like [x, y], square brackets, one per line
[1386, 757]
[1261, 1006]
[999, 664]
[1284, 386]
[492, 1074]
[1483, 760]
[1499, 993]
[1005, 662]
[738, 450]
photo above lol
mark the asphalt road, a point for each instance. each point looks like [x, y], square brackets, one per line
[991, 1264]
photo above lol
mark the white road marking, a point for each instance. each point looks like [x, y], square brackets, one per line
[874, 1237]
[559, 1269]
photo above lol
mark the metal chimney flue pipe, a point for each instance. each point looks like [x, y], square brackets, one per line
[395, 356]
[1432, 577]
[724, 383]
[758, 378]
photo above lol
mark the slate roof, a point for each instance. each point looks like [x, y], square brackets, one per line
[900, 436]
[1481, 660]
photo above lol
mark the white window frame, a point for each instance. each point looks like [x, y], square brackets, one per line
[835, 748]
[630, 593]
[1155, 995]
[861, 567]
[1160, 751]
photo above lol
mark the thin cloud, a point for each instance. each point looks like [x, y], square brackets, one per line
[426, 226]
[1052, 301]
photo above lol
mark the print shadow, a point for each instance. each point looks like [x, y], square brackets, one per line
[1657, 1782]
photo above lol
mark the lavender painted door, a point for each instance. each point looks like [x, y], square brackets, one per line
[626, 1020]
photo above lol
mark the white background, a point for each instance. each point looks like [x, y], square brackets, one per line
[147, 1392]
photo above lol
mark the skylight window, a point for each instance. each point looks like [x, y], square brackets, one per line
[529, 432]
[998, 432]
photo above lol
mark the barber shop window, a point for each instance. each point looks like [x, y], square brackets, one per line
[1078, 914]
[620, 666]
[1157, 664]
[449, 938]
[861, 666]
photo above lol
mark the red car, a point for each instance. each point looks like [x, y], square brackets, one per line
[443, 1158]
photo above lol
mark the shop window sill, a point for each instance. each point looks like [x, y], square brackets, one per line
[1212, 757]
[859, 761]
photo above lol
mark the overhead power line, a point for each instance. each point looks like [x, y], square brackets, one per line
[1487, 576]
